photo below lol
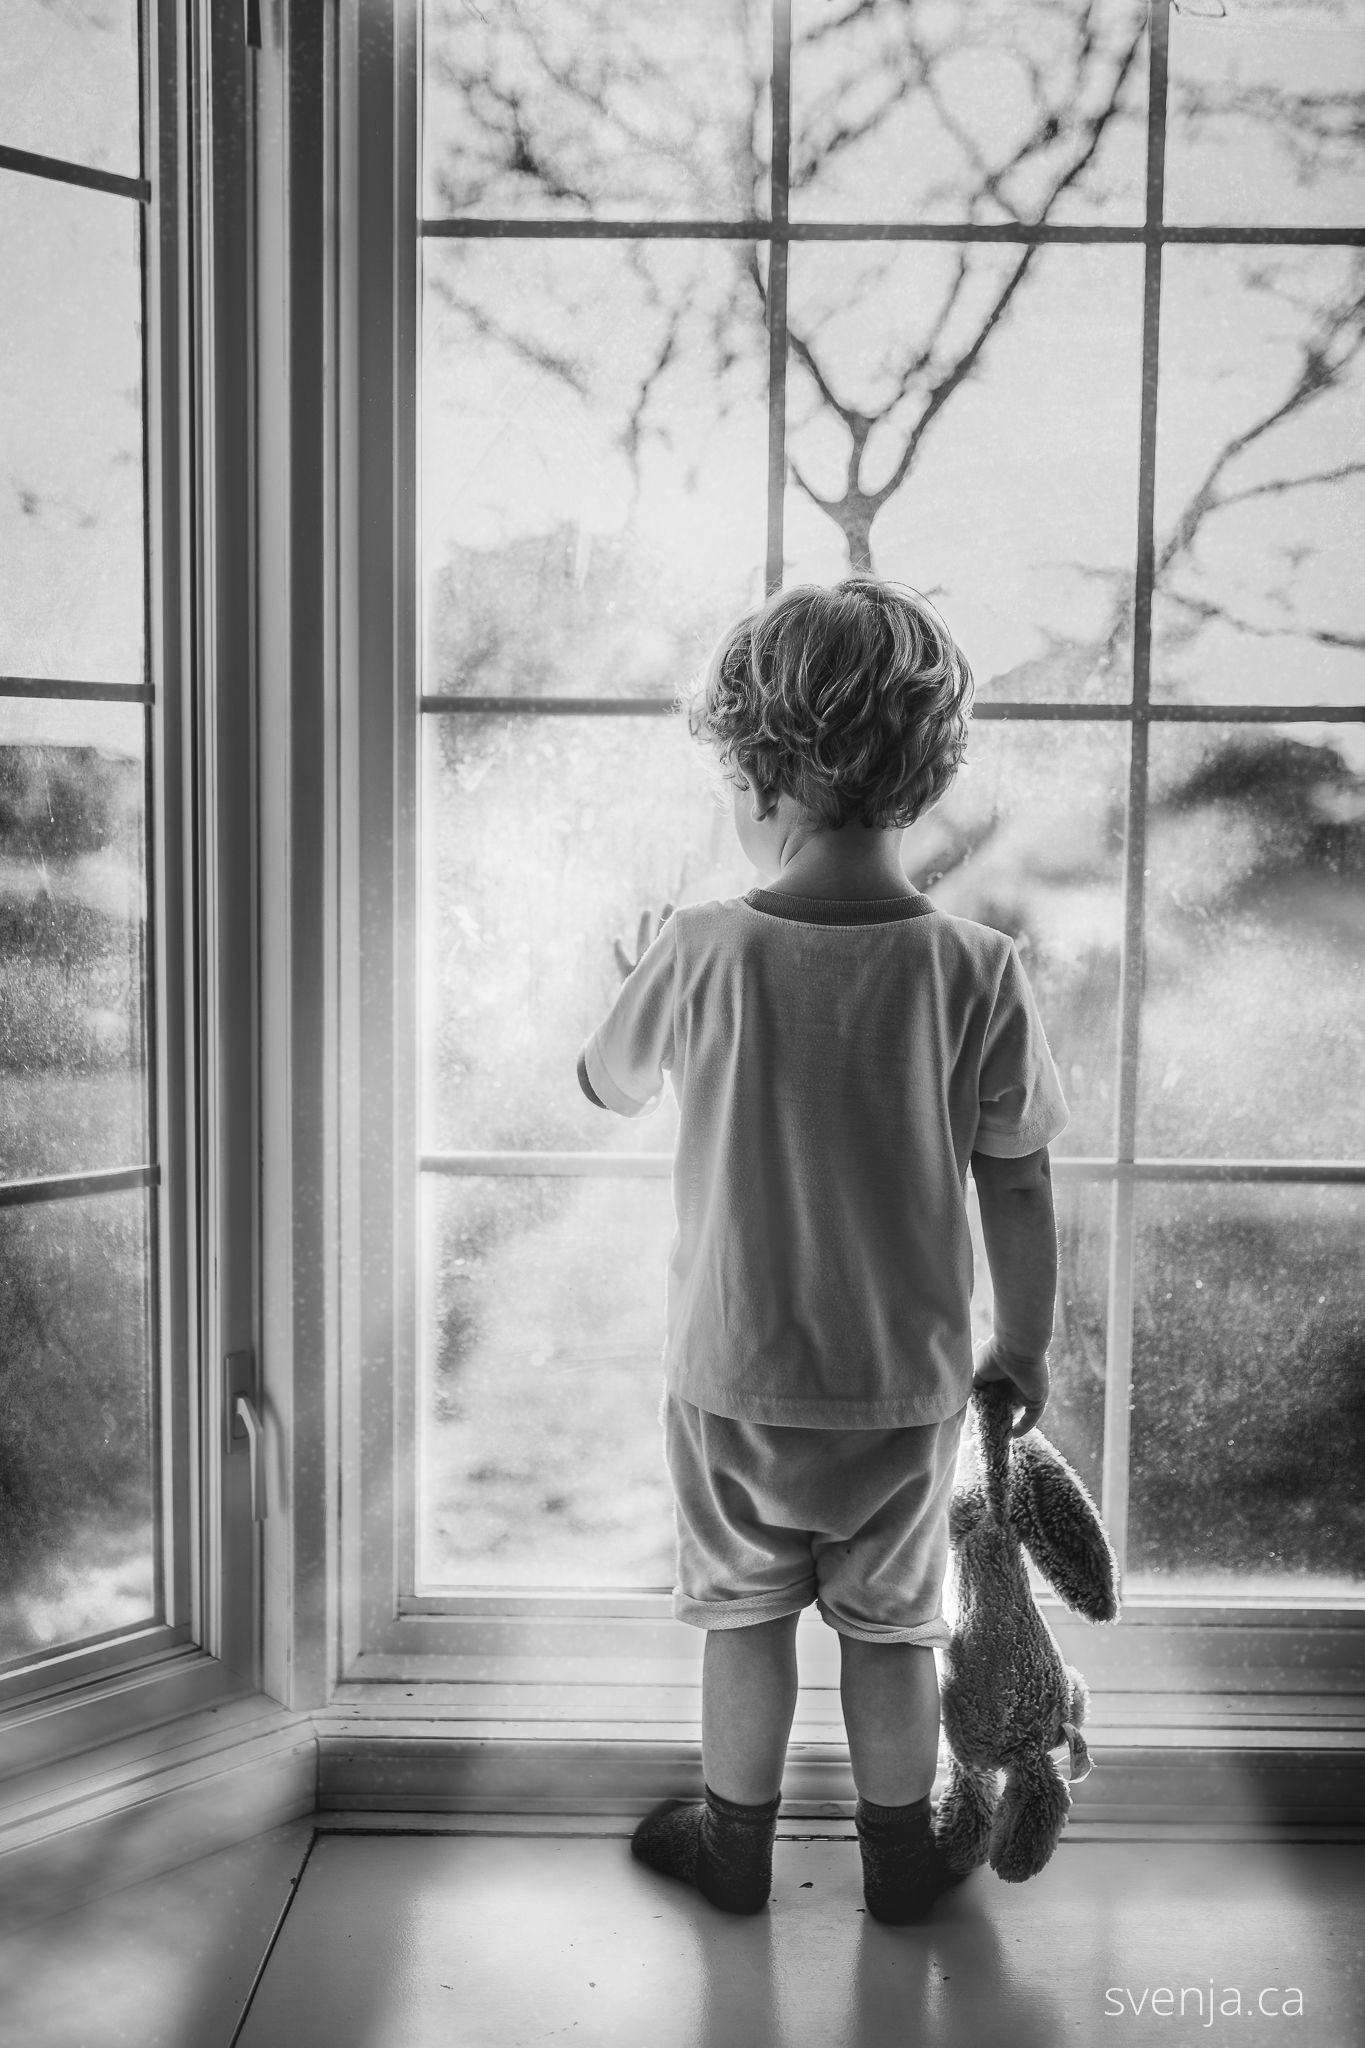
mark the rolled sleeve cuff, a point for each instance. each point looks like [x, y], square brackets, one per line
[604, 1088]
[1031, 1137]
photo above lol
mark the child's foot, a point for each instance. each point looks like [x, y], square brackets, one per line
[903, 1870]
[723, 1848]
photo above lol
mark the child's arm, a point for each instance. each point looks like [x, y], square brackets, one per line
[1021, 1247]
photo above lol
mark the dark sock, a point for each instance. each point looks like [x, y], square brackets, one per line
[723, 1848]
[902, 1871]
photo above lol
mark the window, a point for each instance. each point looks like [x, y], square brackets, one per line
[109, 1445]
[1055, 311]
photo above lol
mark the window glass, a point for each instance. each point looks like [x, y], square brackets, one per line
[1029, 839]
[545, 838]
[1260, 477]
[544, 1324]
[69, 81]
[71, 510]
[1263, 122]
[78, 1503]
[73, 1056]
[971, 112]
[1074, 1419]
[1248, 1434]
[594, 448]
[1253, 1027]
[950, 441]
[595, 109]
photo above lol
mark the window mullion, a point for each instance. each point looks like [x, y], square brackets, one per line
[1119, 1319]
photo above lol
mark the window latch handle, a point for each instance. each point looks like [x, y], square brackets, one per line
[244, 1413]
[243, 1423]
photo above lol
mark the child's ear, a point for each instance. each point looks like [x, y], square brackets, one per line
[762, 802]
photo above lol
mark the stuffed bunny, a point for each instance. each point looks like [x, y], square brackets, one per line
[1008, 1698]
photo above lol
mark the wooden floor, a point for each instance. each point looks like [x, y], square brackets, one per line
[547, 1932]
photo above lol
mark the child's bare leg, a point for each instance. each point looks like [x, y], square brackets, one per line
[724, 1843]
[890, 1697]
[748, 1697]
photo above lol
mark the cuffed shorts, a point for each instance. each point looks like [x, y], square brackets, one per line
[771, 1518]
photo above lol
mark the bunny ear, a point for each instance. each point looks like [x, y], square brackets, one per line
[993, 1407]
[1056, 1520]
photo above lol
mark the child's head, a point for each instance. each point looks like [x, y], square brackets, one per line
[853, 701]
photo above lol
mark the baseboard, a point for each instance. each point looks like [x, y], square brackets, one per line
[110, 1818]
[134, 1809]
[1271, 1785]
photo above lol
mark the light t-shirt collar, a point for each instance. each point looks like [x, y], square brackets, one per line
[828, 910]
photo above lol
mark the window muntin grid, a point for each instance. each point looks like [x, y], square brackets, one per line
[1110, 1172]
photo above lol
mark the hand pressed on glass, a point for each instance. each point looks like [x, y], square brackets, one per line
[646, 932]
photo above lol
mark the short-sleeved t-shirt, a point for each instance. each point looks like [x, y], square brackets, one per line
[835, 1067]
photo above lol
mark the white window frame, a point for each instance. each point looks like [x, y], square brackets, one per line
[194, 193]
[507, 1662]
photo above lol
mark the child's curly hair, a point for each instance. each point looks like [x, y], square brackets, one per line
[853, 700]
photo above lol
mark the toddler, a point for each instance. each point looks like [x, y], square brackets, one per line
[841, 1053]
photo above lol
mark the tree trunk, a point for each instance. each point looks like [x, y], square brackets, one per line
[855, 517]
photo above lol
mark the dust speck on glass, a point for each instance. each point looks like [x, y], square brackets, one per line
[1056, 311]
[80, 1496]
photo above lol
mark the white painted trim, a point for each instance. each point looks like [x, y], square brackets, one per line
[1189, 1777]
[132, 1809]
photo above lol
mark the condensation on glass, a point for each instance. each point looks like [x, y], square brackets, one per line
[1248, 1433]
[78, 1509]
[543, 1317]
[1253, 1026]
[525, 899]
[73, 907]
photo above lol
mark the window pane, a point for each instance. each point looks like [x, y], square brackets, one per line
[1263, 122]
[1029, 839]
[1074, 1419]
[1248, 1429]
[594, 459]
[69, 82]
[1253, 1027]
[78, 1503]
[71, 512]
[597, 109]
[524, 898]
[968, 112]
[542, 1460]
[543, 1329]
[73, 1072]
[1260, 477]
[998, 463]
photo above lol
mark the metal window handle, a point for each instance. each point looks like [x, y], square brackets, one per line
[244, 1412]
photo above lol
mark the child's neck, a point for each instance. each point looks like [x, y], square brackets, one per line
[858, 863]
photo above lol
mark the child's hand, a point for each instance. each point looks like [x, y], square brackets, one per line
[645, 936]
[1029, 1377]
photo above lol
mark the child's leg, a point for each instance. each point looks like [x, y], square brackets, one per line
[890, 1697]
[724, 1843]
[748, 1697]
[891, 1714]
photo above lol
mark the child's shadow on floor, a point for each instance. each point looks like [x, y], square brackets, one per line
[789, 1980]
